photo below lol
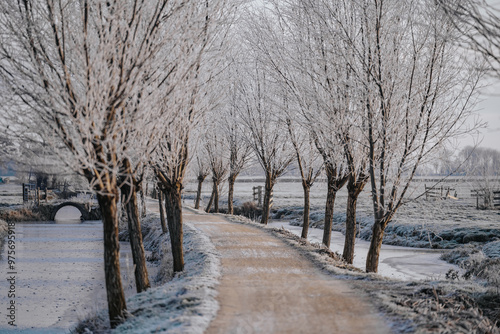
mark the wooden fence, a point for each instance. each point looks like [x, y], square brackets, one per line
[489, 198]
[440, 192]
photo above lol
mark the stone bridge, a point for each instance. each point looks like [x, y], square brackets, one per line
[49, 211]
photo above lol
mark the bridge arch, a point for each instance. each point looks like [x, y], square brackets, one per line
[83, 210]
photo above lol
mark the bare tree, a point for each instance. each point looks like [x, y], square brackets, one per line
[416, 95]
[128, 184]
[203, 171]
[171, 157]
[310, 165]
[72, 69]
[87, 75]
[297, 52]
[216, 148]
[185, 106]
[170, 168]
[357, 179]
[240, 150]
[266, 132]
[383, 77]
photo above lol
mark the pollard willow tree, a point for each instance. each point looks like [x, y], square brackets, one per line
[266, 130]
[337, 95]
[171, 157]
[306, 67]
[232, 128]
[170, 167]
[129, 182]
[308, 161]
[202, 170]
[419, 93]
[216, 148]
[185, 104]
[71, 67]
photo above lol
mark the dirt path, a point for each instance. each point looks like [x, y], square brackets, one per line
[269, 287]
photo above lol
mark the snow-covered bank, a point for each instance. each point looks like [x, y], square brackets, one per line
[405, 230]
[186, 303]
[403, 263]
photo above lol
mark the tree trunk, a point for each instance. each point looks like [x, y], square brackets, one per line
[375, 245]
[305, 224]
[173, 200]
[216, 196]
[129, 198]
[114, 289]
[335, 182]
[350, 228]
[210, 201]
[266, 206]
[330, 203]
[230, 196]
[198, 192]
[161, 204]
[355, 186]
[143, 193]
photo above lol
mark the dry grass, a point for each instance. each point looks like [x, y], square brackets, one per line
[21, 214]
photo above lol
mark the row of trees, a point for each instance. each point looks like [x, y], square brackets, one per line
[112, 87]
[364, 90]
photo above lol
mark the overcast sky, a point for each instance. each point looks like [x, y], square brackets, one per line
[489, 110]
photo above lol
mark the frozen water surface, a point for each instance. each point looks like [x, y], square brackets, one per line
[404, 263]
[59, 275]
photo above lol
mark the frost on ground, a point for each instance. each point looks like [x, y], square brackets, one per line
[452, 306]
[184, 303]
[433, 223]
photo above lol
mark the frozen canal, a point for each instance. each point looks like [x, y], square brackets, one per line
[404, 263]
[59, 275]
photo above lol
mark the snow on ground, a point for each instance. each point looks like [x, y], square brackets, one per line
[184, 304]
[11, 194]
[421, 223]
[404, 263]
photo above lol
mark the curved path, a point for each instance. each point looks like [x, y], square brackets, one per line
[267, 286]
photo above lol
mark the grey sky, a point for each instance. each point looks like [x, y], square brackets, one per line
[489, 110]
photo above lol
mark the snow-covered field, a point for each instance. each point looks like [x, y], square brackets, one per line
[11, 194]
[433, 223]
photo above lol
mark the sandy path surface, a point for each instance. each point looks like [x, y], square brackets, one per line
[269, 287]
